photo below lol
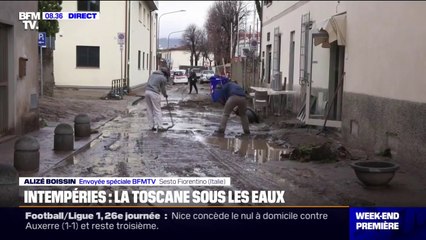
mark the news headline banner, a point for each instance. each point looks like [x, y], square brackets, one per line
[124, 181]
[153, 197]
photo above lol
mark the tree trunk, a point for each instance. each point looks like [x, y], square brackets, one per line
[48, 77]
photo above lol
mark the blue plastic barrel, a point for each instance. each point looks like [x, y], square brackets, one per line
[214, 82]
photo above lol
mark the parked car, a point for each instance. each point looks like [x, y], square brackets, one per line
[179, 76]
[197, 72]
[206, 75]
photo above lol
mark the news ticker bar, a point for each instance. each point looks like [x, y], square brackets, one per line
[124, 181]
[172, 223]
[236, 222]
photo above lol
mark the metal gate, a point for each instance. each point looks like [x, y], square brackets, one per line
[276, 74]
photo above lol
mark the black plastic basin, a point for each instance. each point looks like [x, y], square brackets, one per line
[374, 173]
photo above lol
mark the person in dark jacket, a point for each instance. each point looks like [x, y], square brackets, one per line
[193, 82]
[156, 85]
[233, 95]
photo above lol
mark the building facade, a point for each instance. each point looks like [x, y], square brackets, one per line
[358, 66]
[19, 73]
[180, 57]
[88, 53]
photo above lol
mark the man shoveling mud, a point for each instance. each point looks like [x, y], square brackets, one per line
[232, 95]
[156, 84]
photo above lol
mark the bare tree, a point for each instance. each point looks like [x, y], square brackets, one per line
[205, 48]
[192, 37]
[223, 21]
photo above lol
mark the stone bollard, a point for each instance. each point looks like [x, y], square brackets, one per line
[64, 138]
[82, 125]
[27, 154]
[9, 186]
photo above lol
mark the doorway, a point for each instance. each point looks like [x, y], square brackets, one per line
[268, 62]
[325, 88]
[291, 62]
[3, 80]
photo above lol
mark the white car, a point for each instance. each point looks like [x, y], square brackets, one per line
[206, 75]
[197, 72]
[179, 76]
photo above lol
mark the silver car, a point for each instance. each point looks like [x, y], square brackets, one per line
[206, 75]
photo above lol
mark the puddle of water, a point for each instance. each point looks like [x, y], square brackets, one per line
[206, 113]
[253, 150]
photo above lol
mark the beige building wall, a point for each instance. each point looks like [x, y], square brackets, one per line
[182, 58]
[103, 33]
[386, 50]
[370, 35]
[178, 58]
[277, 9]
[140, 40]
[287, 16]
[383, 101]
[22, 92]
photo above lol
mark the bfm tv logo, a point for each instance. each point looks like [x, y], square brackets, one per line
[29, 19]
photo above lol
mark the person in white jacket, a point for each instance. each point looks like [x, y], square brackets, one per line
[156, 85]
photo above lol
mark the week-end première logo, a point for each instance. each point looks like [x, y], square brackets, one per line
[30, 19]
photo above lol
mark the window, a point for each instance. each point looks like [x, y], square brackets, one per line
[153, 60]
[268, 36]
[92, 6]
[144, 15]
[139, 60]
[147, 60]
[140, 12]
[143, 59]
[87, 56]
[148, 20]
[150, 60]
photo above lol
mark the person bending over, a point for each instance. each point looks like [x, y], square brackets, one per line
[233, 95]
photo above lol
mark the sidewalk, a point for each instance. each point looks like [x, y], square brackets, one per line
[48, 157]
[45, 136]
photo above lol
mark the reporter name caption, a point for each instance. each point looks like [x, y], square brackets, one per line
[125, 181]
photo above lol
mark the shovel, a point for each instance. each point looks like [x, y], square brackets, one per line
[171, 118]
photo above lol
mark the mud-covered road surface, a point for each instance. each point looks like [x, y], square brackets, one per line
[259, 161]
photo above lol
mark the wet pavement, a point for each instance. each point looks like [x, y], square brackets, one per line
[126, 147]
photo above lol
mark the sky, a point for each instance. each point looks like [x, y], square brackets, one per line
[196, 12]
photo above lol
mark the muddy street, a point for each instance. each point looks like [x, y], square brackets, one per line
[128, 148]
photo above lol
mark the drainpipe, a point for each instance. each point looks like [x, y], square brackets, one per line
[128, 44]
[125, 45]
[260, 46]
[150, 42]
